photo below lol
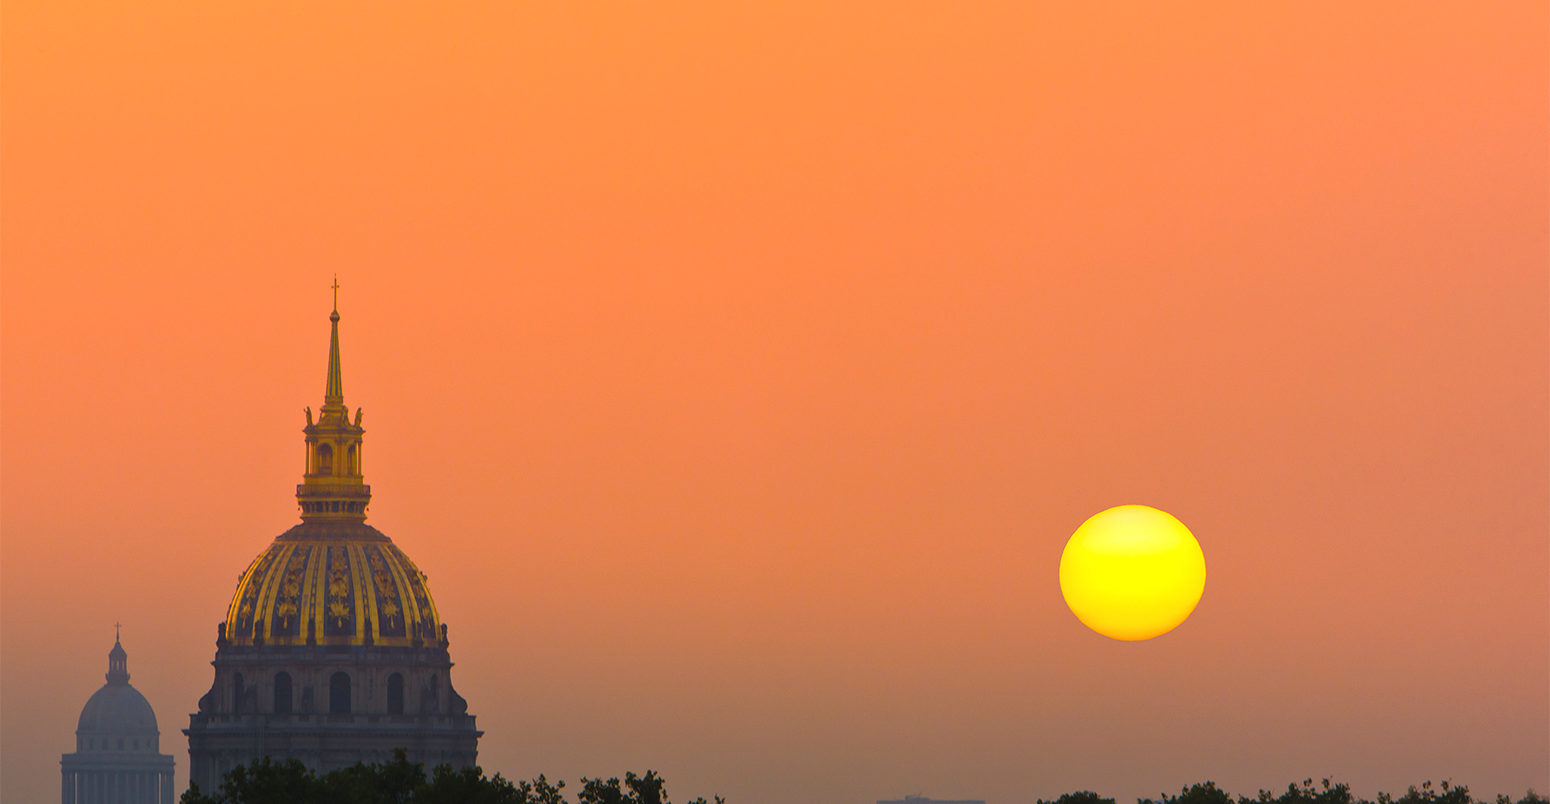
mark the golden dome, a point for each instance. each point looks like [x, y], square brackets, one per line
[332, 583]
[333, 579]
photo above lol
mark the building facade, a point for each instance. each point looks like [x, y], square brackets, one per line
[117, 745]
[332, 651]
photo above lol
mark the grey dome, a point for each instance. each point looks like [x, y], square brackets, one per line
[118, 710]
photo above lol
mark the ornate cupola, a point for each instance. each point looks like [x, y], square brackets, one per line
[333, 487]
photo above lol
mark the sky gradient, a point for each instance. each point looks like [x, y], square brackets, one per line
[737, 375]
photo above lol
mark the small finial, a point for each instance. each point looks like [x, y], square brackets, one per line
[335, 315]
[116, 626]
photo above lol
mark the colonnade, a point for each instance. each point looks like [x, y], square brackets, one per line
[109, 786]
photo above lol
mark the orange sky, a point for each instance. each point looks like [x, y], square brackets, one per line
[737, 376]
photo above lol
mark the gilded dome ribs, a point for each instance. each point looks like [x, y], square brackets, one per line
[389, 613]
[339, 585]
[339, 618]
[286, 621]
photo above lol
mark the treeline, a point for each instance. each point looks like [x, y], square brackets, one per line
[1326, 792]
[399, 781]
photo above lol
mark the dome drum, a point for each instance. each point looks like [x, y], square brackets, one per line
[318, 502]
[319, 685]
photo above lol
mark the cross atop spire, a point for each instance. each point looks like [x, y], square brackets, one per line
[336, 292]
[115, 632]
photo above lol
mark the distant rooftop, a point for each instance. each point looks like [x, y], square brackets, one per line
[924, 800]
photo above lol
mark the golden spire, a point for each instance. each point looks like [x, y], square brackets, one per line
[333, 393]
[332, 487]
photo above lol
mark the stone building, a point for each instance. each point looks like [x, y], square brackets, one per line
[332, 651]
[116, 755]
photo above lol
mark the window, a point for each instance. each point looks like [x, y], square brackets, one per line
[282, 693]
[395, 694]
[325, 459]
[339, 694]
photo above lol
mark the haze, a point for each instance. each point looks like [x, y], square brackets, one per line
[738, 375]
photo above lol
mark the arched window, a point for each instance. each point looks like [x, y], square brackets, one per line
[282, 693]
[339, 694]
[353, 465]
[395, 694]
[236, 694]
[325, 459]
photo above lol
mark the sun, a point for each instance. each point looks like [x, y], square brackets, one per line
[1132, 572]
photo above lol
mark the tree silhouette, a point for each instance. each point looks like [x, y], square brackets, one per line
[1079, 797]
[648, 789]
[399, 780]
[1200, 793]
[1326, 793]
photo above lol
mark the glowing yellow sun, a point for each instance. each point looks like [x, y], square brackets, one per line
[1132, 572]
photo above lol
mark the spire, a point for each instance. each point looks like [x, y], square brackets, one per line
[333, 394]
[332, 487]
[118, 661]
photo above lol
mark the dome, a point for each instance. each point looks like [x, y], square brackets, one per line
[333, 579]
[118, 710]
[332, 582]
